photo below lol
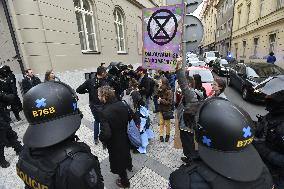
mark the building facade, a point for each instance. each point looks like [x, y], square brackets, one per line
[258, 30]
[224, 20]
[208, 19]
[73, 34]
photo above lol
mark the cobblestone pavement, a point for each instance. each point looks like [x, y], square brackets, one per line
[151, 170]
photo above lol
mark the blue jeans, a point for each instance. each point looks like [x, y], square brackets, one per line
[95, 113]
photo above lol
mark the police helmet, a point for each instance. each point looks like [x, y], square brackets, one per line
[224, 133]
[52, 112]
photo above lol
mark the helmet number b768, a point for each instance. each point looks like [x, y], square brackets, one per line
[43, 112]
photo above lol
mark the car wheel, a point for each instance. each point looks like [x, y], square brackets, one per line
[229, 83]
[245, 93]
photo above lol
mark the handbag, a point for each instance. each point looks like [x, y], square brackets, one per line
[168, 115]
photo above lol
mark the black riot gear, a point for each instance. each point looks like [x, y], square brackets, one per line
[224, 133]
[270, 136]
[48, 107]
[8, 137]
[52, 157]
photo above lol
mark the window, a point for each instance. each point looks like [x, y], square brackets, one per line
[244, 48]
[236, 49]
[218, 32]
[255, 43]
[227, 5]
[86, 25]
[229, 25]
[279, 4]
[272, 42]
[239, 19]
[225, 28]
[248, 12]
[261, 8]
[222, 10]
[119, 30]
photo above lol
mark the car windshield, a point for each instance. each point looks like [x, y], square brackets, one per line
[223, 61]
[206, 75]
[211, 54]
[263, 72]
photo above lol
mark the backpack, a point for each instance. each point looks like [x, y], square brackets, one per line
[127, 98]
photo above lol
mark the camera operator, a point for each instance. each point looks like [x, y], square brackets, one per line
[8, 137]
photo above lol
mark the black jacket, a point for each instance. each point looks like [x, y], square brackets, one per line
[91, 86]
[199, 176]
[77, 167]
[114, 124]
[270, 147]
[28, 83]
[145, 86]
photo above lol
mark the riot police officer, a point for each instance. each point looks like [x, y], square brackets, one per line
[8, 137]
[224, 133]
[270, 137]
[52, 157]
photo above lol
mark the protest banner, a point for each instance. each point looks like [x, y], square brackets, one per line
[162, 37]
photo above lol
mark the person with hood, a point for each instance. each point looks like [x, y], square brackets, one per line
[270, 137]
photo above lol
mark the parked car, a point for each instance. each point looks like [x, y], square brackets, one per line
[244, 77]
[206, 77]
[196, 63]
[220, 66]
[210, 57]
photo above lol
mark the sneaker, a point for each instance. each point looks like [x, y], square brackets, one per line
[167, 138]
[161, 139]
[4, 163]
[120, 185]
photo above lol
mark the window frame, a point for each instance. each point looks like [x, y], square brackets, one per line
[272, 43]
[255, 45]
[83, 13]
[117, 24]
[248, 13]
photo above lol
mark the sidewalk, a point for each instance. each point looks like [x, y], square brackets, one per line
[150, 170]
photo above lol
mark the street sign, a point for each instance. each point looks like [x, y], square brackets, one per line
[192, 5]
[162, 36]
[192, 34]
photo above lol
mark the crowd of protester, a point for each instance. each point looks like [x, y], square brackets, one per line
[121, 100]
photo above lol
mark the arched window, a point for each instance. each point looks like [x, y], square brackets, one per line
[119, 29]
[86, 25]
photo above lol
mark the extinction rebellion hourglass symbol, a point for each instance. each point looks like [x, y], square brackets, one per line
[167, 25]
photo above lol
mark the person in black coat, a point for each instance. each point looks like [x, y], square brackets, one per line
[114, 121]
[29, 81]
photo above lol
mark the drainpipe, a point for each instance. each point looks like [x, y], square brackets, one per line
[231, 37]
[12, 32]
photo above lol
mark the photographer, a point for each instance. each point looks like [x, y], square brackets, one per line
[91, 86]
